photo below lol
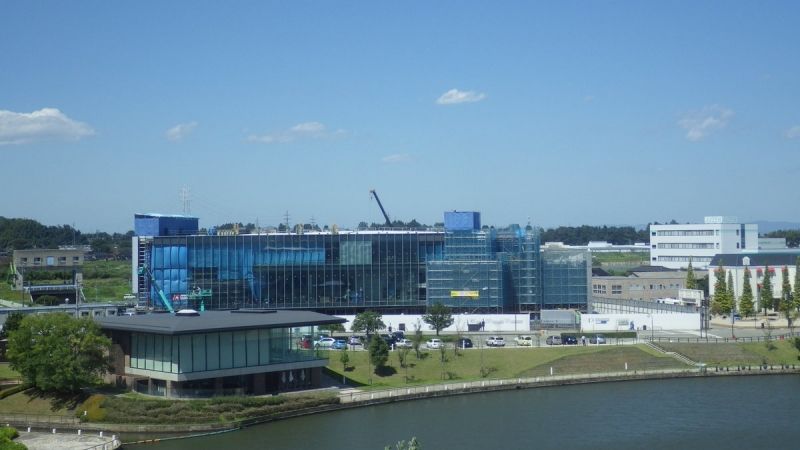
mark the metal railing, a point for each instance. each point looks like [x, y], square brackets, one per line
[484, 385]
[715, 340]
[109, 445]
[38, 419]
[362, 396]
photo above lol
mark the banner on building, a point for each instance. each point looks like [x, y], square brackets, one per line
[468, 294]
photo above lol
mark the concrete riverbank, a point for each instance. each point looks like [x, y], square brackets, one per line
[355, 398]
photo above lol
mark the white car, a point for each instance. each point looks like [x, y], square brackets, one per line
[524, 341]
[325, 342]
[434, 344]
[495, 341]
[403, 343]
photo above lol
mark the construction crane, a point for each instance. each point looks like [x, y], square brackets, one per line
[385, 216]
[167, 304]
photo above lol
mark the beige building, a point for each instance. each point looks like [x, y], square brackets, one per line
[45, 259]
[640, 285]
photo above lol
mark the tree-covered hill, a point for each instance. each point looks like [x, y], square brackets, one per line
[19, 234]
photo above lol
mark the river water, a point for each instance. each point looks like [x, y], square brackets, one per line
[698, 413]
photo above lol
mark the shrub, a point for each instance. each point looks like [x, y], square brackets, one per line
[6, 444]
[8, 433]
[6, 436]
[93, 407]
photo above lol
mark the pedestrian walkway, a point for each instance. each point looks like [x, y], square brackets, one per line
[63, 441]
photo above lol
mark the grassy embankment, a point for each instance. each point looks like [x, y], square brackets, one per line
[751, 353]
[103, 281]
[466, 366]
[471, 364]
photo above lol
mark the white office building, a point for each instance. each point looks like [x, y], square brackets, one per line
[674, 245]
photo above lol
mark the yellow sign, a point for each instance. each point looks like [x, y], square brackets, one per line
[470, 294]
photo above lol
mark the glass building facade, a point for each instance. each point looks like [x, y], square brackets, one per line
[566, 276]
[491, 270]
[320, 271]
[203, 352]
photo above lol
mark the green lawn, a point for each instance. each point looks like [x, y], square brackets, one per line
[6, 373]
[733, 354]
[633, 257]
[103, 281]
[23, 403]
[500, 363]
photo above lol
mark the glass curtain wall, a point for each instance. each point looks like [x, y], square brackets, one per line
[200, 352]
[314, 270]
[566, 275]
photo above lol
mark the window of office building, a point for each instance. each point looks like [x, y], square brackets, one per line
[616, 289]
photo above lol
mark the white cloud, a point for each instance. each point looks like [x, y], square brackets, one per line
[699, 124]
[44, 124]
[396, 158]
[180, 131]
[305, 130]
[793, 133]
[454, 97]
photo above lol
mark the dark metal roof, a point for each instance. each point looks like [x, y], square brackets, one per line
[208, 321]
[784, 258]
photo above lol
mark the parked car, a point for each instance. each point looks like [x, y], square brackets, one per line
[569, 340]
[354, 340]
[339, 344]
[597, 339]
[434, 344]
[403, 343]
[464, 343]
[495, 341]
[325, 342]
[307, 341]
[523, 340]
[553, 340]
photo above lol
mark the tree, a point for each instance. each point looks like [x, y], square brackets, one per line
[368, 322]
[57, 353]
[786, 290]
[766, 291]
[691, 281]
[438, 317]
[731, 297]
[721, 303]
[786, 302]
[11, 324]
[344, 358]
[410, 445]
[333, 328]
[797, 283]
[416, 338]
[378, 353]
[746, 307]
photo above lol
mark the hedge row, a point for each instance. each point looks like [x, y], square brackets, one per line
[100, 408]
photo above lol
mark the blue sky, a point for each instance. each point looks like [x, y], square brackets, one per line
[566, 113]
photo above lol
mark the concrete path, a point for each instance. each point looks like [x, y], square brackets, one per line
[63, 441]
